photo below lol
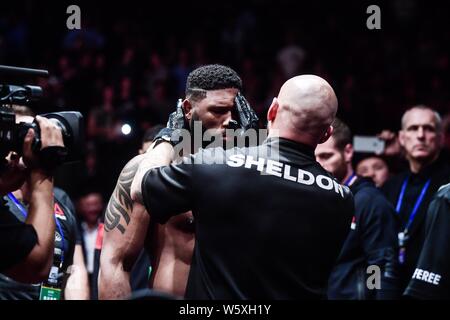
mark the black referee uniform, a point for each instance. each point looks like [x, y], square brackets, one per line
[431, 278]
[270, 221]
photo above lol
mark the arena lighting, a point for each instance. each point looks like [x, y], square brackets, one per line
[126, 129]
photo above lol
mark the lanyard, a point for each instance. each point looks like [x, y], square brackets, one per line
[25, 213]
[350, 179]
[416, 205]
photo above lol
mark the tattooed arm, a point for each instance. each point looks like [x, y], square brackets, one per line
[126, 224]
[161, 155]
[125, 229]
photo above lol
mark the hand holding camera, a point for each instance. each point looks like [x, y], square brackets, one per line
[48, 150]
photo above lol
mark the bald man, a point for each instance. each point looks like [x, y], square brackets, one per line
[269, 220]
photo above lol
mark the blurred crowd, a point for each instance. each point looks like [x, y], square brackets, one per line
[129, 67]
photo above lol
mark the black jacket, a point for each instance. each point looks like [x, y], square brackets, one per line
[269, 220]
[17, 239]
[65, 215]
[371, 241]
[430, 279]
[439, 173]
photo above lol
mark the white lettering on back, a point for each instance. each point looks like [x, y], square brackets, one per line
[427, 276]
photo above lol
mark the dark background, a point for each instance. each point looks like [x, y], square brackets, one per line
[130, 61]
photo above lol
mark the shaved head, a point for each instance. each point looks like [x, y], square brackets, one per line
[305, 108]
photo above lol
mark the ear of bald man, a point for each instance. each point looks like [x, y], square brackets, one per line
[327, 135]
[272, 112]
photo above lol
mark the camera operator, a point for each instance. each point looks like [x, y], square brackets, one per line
[68, 253]
[26, 249]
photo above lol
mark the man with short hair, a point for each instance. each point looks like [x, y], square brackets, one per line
[411, 191]
[269, 220]
[372, 240]
[211, 93]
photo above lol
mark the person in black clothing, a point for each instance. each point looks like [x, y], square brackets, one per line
[26, 249]
[269, 220]
[67, 248]
[65, 254]
[411, 192]
[431, 278]
[372, 240]
[213, 100]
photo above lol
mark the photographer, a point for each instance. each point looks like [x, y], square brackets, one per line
[26, 249]
[68, 253]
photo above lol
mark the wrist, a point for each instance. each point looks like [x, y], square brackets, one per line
[169, 135]
[40, 178]
[161, 140]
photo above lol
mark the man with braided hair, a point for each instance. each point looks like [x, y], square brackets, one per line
[212, 97]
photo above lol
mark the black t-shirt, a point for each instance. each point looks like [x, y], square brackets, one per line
[65, 215]
[270, 221]
[439, 174]
[431, 278]
[17, 239]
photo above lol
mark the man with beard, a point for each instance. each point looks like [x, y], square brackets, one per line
[212, 97]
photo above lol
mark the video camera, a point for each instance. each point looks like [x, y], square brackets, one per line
[12, 134]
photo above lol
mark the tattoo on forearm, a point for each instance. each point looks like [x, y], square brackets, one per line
[120, 203]
[138, 194]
